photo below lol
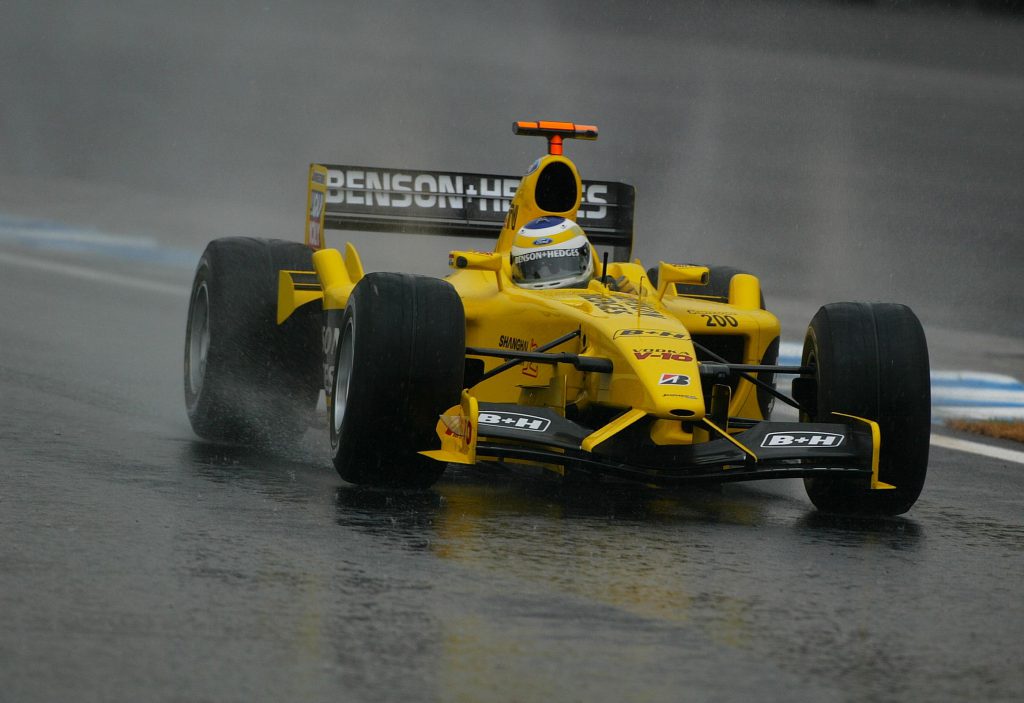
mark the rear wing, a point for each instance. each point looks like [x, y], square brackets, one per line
[450, 203]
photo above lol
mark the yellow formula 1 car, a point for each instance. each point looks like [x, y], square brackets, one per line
[542, 355]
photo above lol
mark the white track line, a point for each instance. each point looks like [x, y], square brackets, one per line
[996, 414]
[962, 445]
[89, 274]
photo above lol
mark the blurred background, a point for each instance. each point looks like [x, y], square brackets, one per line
[841, 151]
[869, 151]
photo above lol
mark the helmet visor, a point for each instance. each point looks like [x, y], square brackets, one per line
[546, 265]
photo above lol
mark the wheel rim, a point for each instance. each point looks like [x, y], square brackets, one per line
[198, 339]
[343, 374]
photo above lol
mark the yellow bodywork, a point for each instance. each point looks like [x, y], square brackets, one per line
[646, 339]
[876, 444]
[646, 331]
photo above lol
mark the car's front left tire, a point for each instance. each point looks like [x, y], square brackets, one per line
[870, 360]
[398, 364]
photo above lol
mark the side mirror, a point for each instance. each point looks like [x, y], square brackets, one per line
[671, 274]
[475, 260]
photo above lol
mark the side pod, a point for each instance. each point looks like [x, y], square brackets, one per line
[295, 289]
[332, 282]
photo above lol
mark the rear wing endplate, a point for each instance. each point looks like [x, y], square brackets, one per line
[449, 203]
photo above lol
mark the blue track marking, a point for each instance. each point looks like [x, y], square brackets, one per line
[968, 395]
[966, 379]
[45, 235]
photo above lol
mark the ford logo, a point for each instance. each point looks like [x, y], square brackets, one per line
[543, 240]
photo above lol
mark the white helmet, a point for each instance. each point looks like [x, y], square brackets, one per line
[551, 252]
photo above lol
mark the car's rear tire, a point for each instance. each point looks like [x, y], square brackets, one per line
[717, 288]
[871, 360]
[248, 379]
[399, 364]
[717, 291]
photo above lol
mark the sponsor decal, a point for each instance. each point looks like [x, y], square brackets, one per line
[594, 194]
[391, 189]
[679, 395]
[802, 439]
[517, 421]
[720, 321]
[316, 210]
[530, 368]
[620, 306]
[662, 354]
[319, 177]
[458, 426]
[316, 204]
[660, 334]
[402, 189]
[713, 319]
[674, 379]
[546, 254]
[543, 240]
[515, 343]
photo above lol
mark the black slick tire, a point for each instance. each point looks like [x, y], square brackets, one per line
[871, 360]
[399, 364]
[247, 379]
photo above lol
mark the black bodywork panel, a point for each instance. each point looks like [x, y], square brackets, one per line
[774, 449]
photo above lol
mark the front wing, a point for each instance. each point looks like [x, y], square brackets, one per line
[478, 432]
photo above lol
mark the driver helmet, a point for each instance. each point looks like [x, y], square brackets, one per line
[551, 252]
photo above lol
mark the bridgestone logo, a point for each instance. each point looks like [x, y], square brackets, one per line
[545, 254]
[802, 439]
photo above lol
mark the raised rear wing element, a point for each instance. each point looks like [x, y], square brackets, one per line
[445, 202]
[555, 132]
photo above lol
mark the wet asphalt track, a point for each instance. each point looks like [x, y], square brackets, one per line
[138, 563]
